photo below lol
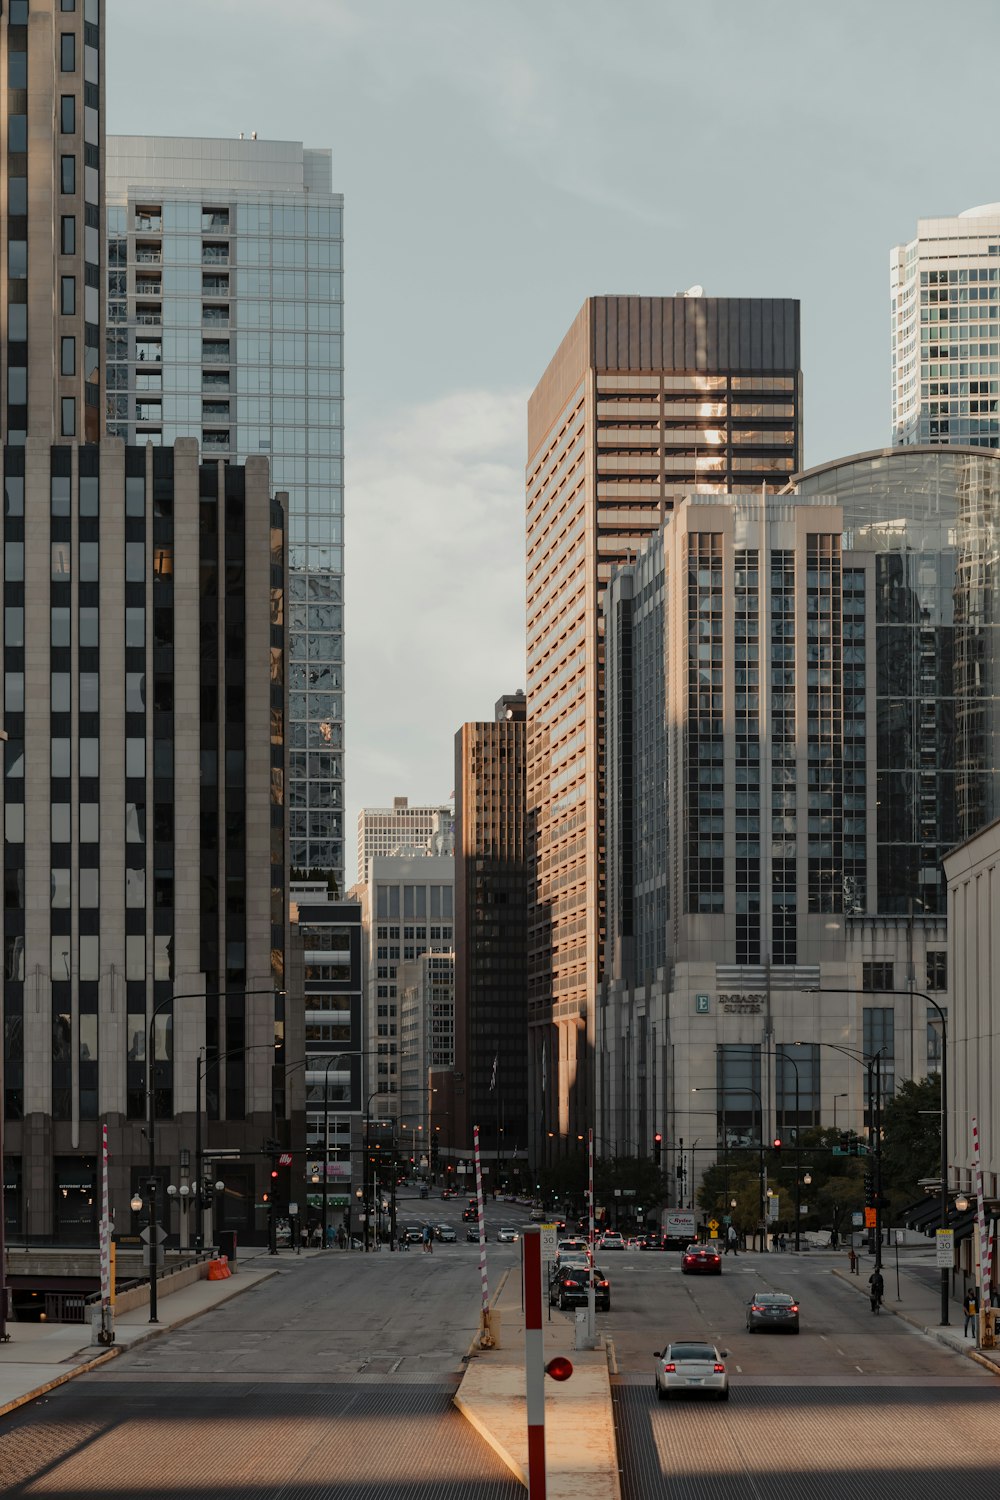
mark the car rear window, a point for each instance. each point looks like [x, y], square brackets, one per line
[691, 1351]
[774, 1299]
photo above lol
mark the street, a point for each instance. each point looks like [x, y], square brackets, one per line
[334, 1378]
[853, 1403]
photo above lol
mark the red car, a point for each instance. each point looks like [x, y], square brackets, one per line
[701, 1258]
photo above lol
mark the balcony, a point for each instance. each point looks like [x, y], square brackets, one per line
[148, 220]
[215, 442]
[215, 411]
[148, 255]
[215, 218]
[149, 316]
[215, 286]
[215, 352]
[215, 317]
[214, 255]
[147, 288]
[148, 351]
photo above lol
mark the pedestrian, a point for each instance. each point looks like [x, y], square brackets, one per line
[782, 1243]
[834, 1239]
[318, 1236]
[852, 1257]
[732, 1240]
[969, 1307]
[428, 1244]
[342, 1237]
[877, 1288]
[304, 1237]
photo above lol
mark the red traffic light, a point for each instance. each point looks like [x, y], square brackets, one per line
[560, 1368]
[658, 1138]
[777, 1143]
[274, 1173]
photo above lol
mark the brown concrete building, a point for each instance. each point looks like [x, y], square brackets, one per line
[646, 399]
[52, 229]
[491, 1038]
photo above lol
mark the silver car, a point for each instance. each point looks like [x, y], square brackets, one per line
[694, 1367]
[506, 1235]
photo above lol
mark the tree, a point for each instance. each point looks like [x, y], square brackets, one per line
[911, 1139]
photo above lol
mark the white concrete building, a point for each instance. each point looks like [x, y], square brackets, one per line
[944, 288]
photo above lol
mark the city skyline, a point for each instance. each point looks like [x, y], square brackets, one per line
[469, 251]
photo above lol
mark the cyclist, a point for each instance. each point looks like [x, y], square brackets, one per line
[877, 1288]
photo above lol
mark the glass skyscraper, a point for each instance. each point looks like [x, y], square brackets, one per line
[225, 304]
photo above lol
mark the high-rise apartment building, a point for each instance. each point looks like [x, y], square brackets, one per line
[491, 889]
[427, 1032]
[945, 296]
[52, 66]
[145, 916]
[646, 399]
[403, 831]
[225, 311]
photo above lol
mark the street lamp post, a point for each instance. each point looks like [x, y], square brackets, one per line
[826, 990]
[785, 1058]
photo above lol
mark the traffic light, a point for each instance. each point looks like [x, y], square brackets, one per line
[869, 1190]
[844, 1146]
[657, 1148]
[777, 1145]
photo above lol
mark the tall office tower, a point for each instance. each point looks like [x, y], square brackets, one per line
[646, 399]
[332, 987]
[944, 287]
[491, 1015]
[52, 64]
[427, 1031]
[407, 910]
[404, 831]
[225, 303]
[145, 918]
[802, 720]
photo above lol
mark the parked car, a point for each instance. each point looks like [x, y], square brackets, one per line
[689, 1367]
[472, 1233]
[507, 1235]
[701, 1259]
[445, 1233]
[775, 1310]
[568, 1287]
[612, 1240]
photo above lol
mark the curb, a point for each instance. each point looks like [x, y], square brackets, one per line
[490, 1439]
[120, 1349]
[931, 1331]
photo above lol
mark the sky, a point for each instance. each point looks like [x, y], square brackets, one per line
[502, 162]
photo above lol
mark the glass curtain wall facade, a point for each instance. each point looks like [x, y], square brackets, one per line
[225, 322]
[944, 289]
[930, 518]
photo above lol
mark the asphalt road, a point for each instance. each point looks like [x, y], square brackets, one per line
[332, 1379]
[854, 1406]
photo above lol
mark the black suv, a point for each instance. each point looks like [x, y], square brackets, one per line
[568, 1287]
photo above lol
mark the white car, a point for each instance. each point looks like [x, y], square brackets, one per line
[613, 1241]
[507, 1235]
[570, 1247]
[693, 1367]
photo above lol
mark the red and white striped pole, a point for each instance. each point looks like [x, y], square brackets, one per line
[591, 1291]
[534, 1360]
[105, 1238]
[985, 1247]
[485, 1330]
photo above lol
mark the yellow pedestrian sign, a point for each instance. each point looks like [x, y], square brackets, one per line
[713, 1224]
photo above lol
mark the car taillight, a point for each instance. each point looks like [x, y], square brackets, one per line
[720, 1369]
[795, 1308]
[669, 1369]
[602, 1283]
[756, 1307]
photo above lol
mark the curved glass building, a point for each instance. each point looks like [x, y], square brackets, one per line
[931, 517]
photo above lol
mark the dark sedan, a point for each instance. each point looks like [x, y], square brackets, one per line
[701, 1260]
[772, 1310]
[568, 1287]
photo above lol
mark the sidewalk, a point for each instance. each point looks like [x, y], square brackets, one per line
[918, 1301]
[580, 1451]
[41, 1356]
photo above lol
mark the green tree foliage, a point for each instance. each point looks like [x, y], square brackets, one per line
[911, 1139]
[835, 1192]
[565, 1183]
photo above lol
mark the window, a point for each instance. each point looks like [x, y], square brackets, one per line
[17, 133]
[67, 52]
[937, 969]
[17, 70]
[68, 405]
[67, 114]
[67, 173]
[67, 356]
[877, 976]
[67, 295]
[67, 234]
